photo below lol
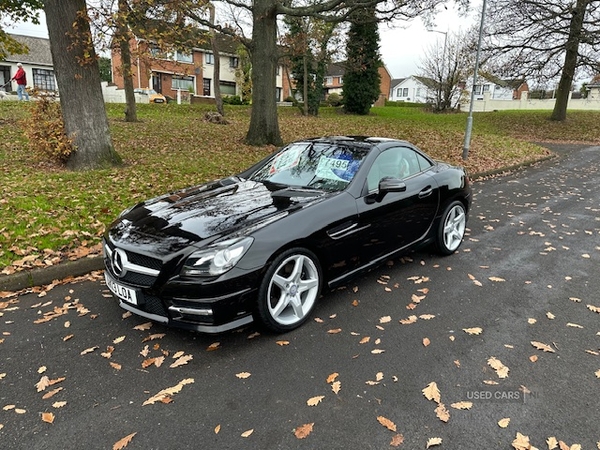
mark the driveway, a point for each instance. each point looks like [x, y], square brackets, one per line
[497, 343]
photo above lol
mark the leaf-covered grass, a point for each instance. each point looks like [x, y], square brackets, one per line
[49, 213]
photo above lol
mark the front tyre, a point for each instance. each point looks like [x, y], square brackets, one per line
[289, 290]
[451, 230]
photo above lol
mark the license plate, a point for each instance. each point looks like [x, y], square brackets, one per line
[123, 292]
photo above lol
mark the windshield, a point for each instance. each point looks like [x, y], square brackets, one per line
[317, 165]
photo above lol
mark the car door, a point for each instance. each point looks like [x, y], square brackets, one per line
[395, 220]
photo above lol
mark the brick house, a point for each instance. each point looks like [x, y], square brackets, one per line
[334, 82]
[191, 72]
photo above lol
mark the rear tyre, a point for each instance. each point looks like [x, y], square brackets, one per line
[451, 230]
[289, 290]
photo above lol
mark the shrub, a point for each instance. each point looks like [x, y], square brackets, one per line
[233, 100]
[334, 99]
[45, 130]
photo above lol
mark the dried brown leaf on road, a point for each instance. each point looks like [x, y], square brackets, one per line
[386, 423]
[303, 431]
[431, 392]
[122, 443]
[542, 346]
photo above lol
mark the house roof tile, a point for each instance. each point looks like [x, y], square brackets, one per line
[39, 51]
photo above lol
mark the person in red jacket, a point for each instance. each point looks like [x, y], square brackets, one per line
[21, 79]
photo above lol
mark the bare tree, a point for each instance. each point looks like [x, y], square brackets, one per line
[543, 40]
[445, 67]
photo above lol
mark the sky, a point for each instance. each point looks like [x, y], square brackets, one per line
[401, 44]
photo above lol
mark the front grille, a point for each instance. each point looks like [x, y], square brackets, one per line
[138, 279]
[136, 267]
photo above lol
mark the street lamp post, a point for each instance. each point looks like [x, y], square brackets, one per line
[445, 33]
[467, 144]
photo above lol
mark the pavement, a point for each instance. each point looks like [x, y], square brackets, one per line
[494, 345]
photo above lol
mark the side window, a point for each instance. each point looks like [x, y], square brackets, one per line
[399, 162]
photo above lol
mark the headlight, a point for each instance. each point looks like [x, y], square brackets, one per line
[216, 259]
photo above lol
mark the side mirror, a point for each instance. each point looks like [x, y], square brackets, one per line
[389, 184]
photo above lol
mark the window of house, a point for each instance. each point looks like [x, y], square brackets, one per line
[477, 89]
[206, 87]
[184, 83]
[418, 92]
[486, 88]
[43, 79]
[227, 88]
[278, 71]
[209, 58]
[183, 57]
[405, 92]
[328, 81]
[234, 62]
[278, 94]
[399, 92]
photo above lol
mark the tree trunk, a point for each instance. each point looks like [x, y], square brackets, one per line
[572, 52]
[217, 64]
[78, 77]
[305, 86]
[124, 36]
[264, 126]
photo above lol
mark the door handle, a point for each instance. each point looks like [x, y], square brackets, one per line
[426, 192]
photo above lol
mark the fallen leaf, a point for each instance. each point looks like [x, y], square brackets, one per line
[397, 440]
[143, 326]
[521, 442]
[213, 346]
[154, 337]
[550, 316]
[426, 342]
[431, 392]
[42, 369]
[334, 331]
[121, 444]
[593, 308]
[462, 405]
[365, 340]
[533, 358]
[472, 331]
[377, 351]
[574, 325]
[503, 423]
[385, 319]
[597, 373]
[409, 320]
[303, 431]
[442, 413]
[497, 279]
[282, 343]
[314, 401]
[217, 429]
[331, 378]
[115, 365]
[243, 375]
[51, 393]
[386, 423]
[531, 321]
[542, 346]
[119, 340]
[501, 369]
[181, 361]
[336, 387]
[48, 417]
[552, 443]
[432, 442]
[168, 392]
[247, 433]
[89, 350]
[58, 404]
[426, 316]
[43, 383]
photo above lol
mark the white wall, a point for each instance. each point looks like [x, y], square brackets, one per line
[489, 104]
[417, 92]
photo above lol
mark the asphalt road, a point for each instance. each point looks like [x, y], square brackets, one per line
[527, 272]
